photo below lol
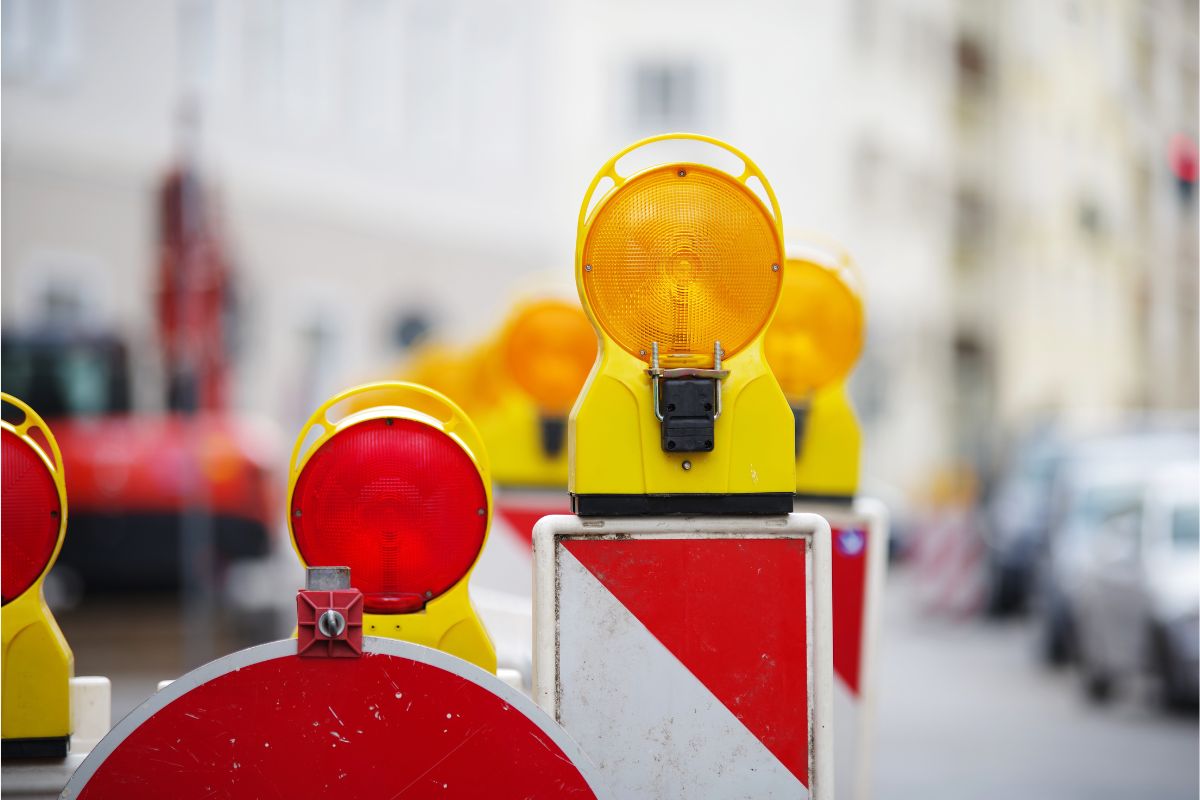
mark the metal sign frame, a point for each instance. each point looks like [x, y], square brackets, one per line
[551, 532]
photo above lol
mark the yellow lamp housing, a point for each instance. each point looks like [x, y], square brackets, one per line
[547, 348]
[679, 268]
[812, 345]
[37, 662]
[392, 480]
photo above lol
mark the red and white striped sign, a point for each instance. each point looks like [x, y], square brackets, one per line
[399, 721]
[689, 657]
[859, 563]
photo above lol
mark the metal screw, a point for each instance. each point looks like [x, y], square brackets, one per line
[331, 624]
[481, 511]
[388, 421]
[428, 595]
[774, 268]
[587, 267]
[296, 513]
[686, 465]
[641, 352]
[682, 173]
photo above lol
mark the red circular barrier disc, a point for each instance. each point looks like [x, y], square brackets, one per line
[402, 721]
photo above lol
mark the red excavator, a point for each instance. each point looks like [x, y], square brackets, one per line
[144, 485]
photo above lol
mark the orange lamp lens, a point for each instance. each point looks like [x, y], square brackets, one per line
[549, 351]
[817, 333]
[685, 256]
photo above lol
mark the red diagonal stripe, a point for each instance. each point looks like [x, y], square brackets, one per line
[733, 612]
[849, 596]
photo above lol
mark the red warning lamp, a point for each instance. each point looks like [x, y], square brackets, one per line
[397, 501]
[391, 480]
[37, 662]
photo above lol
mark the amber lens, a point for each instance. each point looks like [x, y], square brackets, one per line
[467, 378]
[682, 256]
[817, 333]
[549, 350]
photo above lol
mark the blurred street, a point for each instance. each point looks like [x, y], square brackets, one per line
[965, 710]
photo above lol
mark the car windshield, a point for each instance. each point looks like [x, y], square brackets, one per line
[66, 378]
[1099, 503]
[1185, 527]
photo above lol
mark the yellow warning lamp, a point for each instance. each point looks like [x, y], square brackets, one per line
[38, 664]
[546, 349]
[812, 344]
[391, 479]
[679, 267]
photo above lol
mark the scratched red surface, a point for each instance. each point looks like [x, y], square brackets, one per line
[376, 726]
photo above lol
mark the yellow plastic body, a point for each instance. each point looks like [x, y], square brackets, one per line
[613, 435]
[828, 462]
[448, 622]
[37, 663]
[512, 430]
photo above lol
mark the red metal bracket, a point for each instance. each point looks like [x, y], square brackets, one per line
[329, 623]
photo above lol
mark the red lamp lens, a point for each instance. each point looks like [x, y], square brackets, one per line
[397, 501]
[30, 516]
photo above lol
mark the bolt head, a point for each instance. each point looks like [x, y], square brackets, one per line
[686, 465]
[774, 268]
[331, 624]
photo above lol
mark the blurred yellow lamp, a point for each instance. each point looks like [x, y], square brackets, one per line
[812, 344]
[549, 347]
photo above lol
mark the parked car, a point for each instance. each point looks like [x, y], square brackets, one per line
[1016, 519]
[1092, 477]
[1139, 593]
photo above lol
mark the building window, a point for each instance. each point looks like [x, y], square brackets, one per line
[666, 96]
[38, 41]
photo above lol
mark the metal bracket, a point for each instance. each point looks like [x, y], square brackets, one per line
[329, 615]
[657, 374]
[693, 402]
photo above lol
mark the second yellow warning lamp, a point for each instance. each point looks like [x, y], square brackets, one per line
[391, 479]
[546, 350]
[812, 344]
[679, 267]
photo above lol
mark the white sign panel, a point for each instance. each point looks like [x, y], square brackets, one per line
[689, 657]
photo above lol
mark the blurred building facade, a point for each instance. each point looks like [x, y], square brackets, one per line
[1076, 246]
[382, 160]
